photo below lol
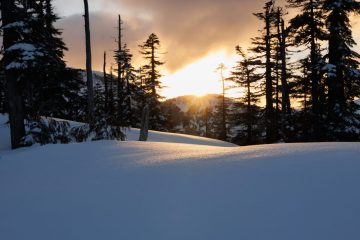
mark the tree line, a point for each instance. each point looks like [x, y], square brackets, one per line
[306, 71]
[300, 79]
[37, 87]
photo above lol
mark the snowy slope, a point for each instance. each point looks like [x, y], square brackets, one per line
[132, 135]
[170, 191]
[154, 136]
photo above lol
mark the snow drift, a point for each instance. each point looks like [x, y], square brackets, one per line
[160, 191]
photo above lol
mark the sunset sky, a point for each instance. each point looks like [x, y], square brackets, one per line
[196, 35]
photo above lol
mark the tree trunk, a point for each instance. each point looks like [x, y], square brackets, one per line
[314, 77]
[269, 111]
[106, 85]
[144, 130]
[120, 83]
[89, 75]
[249, 113]
[16, 105]
[224, 129]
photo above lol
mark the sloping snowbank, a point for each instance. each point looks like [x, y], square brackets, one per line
[132, 135]
[154, 136]
[169, 191]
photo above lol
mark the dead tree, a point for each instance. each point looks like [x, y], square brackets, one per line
[89, 75]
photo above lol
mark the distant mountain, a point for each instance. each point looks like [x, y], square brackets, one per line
[98, 77]
[185, 103]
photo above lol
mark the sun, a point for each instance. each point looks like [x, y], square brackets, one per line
[198, 78]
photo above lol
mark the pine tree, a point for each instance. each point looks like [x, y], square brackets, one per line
[264, 50]
[244, 75]
[55, 87]
[343, 76]
[302, 93]
[150, 52]
[21, 54]
[126, 87]
[139, 97]
[104, 127]
[282, 36]
[308, 29]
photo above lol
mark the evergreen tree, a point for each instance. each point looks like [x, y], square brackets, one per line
[248, 119]
[22, 53]
[150, 52]
[282, 36]
[56, 87]
[219, 120]
[104, 127]
[343, 76]
[308, 29]
[138, 96]
[264, 50]
[126, 87]
[302, 93]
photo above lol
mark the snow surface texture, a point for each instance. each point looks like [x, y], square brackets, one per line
[174, 191]
[160, 191]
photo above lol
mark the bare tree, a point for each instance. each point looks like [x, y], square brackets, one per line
[223, 134]
[89, 75]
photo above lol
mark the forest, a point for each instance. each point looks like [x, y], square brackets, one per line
[300, 79]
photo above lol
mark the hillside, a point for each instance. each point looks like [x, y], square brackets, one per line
[199, 103]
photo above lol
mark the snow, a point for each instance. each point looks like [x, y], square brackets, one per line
[330, 70]
[132, 135]
[18, 24]
[154, 136]
[22, 47]
[28, 53]
[174, 188]
[160, 191]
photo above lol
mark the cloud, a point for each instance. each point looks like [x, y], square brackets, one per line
[188, 29]
[103, 36]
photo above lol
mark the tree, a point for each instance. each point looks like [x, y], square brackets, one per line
[89, 75]
[119, 58]
[55, 88]
[308, 29]
[106, 84]
[223, 127]
[150, 51]
[127, 81]
[16, 54]
[263, 48]
[343, 76]
[3, 92]
[244, 75]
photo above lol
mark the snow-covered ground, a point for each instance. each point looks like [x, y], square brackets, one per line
[132, 135]
[174, 191]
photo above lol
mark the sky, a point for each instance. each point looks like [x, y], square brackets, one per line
[196, 36]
